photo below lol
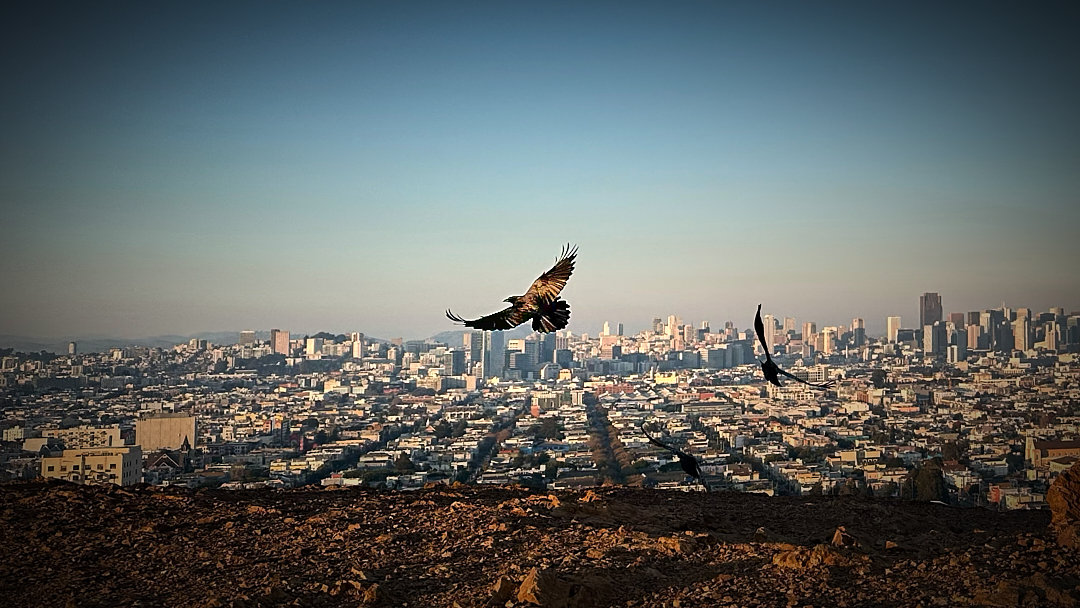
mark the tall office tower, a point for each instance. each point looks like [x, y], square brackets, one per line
[547, 347]
[892, 327]
[562, 342]
[828, 340]
[770, 331]
[858, 331]
[973, 317]
[959, 341]
[1022, 338]
[1051, 341]
[935, 339]
[606, 331]
[809, 328]
[929, 309]
[704, 326]
[247, 337]
[672, 325]
[619, 328]
[279, 342]
[453, 362]
[1057, 311]
[789, 325]
[313, 346]
[359, 345]
[956, 318]
[975, 337]
[473, 342]
[73, 348]
[658, 325]
[1023, 313]
[493, 354]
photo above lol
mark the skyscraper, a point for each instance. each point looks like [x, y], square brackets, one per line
[279, 342]
[473, 342]
[1022, 338]
[858, 331]
[892, 327]
[359, 345]
[247, 336]
[770, 331]
[929, 309]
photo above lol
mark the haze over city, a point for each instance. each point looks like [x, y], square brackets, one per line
[194, 167]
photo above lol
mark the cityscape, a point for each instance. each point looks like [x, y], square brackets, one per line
[973, 408]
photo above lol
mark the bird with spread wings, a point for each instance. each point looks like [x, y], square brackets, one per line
[541, 303]
[769, 367]
[688, 463]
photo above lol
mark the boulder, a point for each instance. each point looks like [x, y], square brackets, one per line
[544, 588]
[1064, 499]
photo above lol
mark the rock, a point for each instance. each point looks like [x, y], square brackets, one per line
[802, 558]
[501, 591]
[371, 595]
[841, 538]
[543, 588]
[1064, 500]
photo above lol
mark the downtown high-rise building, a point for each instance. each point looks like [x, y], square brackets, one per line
[892, 328]
[929, 309]
[858, 331]
[279, 341]
[247, 336]
[473, 343]
[359, 344]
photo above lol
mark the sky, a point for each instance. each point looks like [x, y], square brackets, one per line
[173, 168]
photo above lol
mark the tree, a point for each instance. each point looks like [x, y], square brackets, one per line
[878, 378]
[404, 464]
[930, 483]
[321, 437]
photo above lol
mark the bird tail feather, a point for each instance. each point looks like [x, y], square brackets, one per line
[553, 316]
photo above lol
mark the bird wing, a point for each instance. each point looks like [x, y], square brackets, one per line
[822, 386]
[508, 318]
[659, 443]
[759, 327]
[548, 285]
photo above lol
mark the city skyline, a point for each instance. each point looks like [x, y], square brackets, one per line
[878, 329]
[181, 169]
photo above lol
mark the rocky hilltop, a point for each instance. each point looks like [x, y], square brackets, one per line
[69, 545]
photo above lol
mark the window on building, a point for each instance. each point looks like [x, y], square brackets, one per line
[112, 475]
[51, 468]
[63, 467]
[100, 466]
[112, 465]
[74, 467]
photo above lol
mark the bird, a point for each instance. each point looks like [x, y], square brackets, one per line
[541, 302]
[688, 463]
[770, 368]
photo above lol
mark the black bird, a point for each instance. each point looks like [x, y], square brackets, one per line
[688, 463]
[540, 303]
[770, 368]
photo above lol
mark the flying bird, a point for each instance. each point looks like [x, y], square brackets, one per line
[770, 368]
[688, 463]
[541, 302]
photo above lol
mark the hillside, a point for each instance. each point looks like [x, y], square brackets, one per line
[68, 545]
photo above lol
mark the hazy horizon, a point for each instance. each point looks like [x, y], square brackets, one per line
[174, 169]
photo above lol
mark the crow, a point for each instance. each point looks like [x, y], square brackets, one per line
[688, 463]
[770, 368]
[541, 302]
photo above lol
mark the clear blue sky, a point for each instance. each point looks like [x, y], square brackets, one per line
[184, 167]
